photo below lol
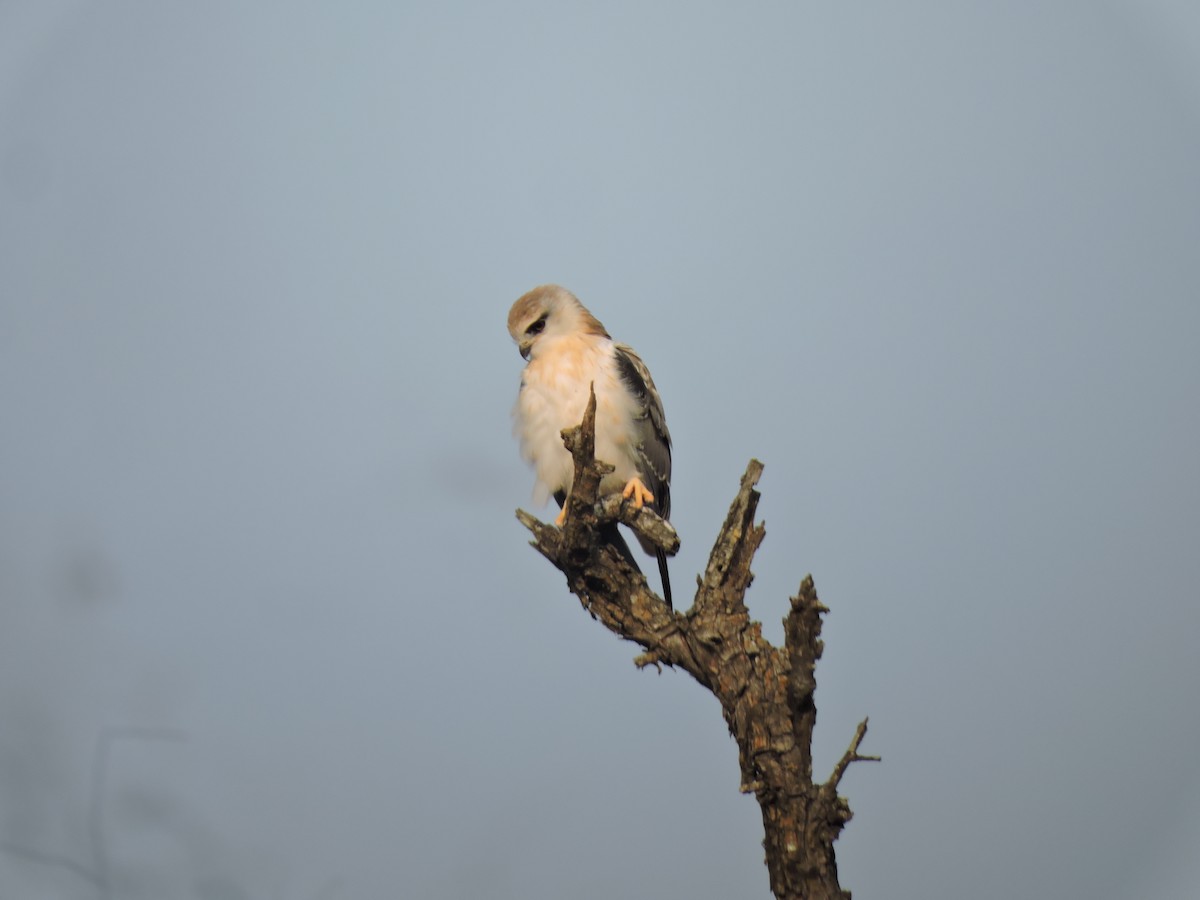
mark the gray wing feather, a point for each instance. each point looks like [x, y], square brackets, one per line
[653, 440]
[653, 444]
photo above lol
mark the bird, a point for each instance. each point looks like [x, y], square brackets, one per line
[567, 351]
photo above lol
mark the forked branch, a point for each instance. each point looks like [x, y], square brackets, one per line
[766, 692]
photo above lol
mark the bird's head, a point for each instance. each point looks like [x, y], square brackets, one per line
[548, 312]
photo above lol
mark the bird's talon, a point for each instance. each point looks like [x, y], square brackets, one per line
[637, 492]
[561, 517]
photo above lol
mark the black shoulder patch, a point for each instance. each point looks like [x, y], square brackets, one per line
[630, 375]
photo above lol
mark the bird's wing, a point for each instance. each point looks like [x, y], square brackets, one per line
[651, 439]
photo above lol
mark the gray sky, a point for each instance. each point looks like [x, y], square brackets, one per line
[935, 264]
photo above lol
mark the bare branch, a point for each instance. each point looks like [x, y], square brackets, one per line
[802, 639]
[736, 544]
[851, 756]
[642, 519]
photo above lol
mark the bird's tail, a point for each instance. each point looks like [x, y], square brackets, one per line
[666, 580]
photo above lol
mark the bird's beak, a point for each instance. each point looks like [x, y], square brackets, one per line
[526, 347]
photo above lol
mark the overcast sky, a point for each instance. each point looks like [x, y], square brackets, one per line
[936, 264]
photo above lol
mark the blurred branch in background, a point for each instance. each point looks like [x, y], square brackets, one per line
[97, 871]
[99, 783]
[766, 692]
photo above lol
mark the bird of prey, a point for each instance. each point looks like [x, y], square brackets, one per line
[568, 350]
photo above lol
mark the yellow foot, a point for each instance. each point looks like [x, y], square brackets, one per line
[561, 517]
[638, 492]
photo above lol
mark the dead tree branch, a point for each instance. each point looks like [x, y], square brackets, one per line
[766, 692]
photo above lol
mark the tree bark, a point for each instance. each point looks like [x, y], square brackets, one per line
[766, 692]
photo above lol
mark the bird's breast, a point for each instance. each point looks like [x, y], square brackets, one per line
[553, 396]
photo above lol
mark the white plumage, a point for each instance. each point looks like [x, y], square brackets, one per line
[568, 350]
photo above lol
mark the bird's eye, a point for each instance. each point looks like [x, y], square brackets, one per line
[537, 327]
